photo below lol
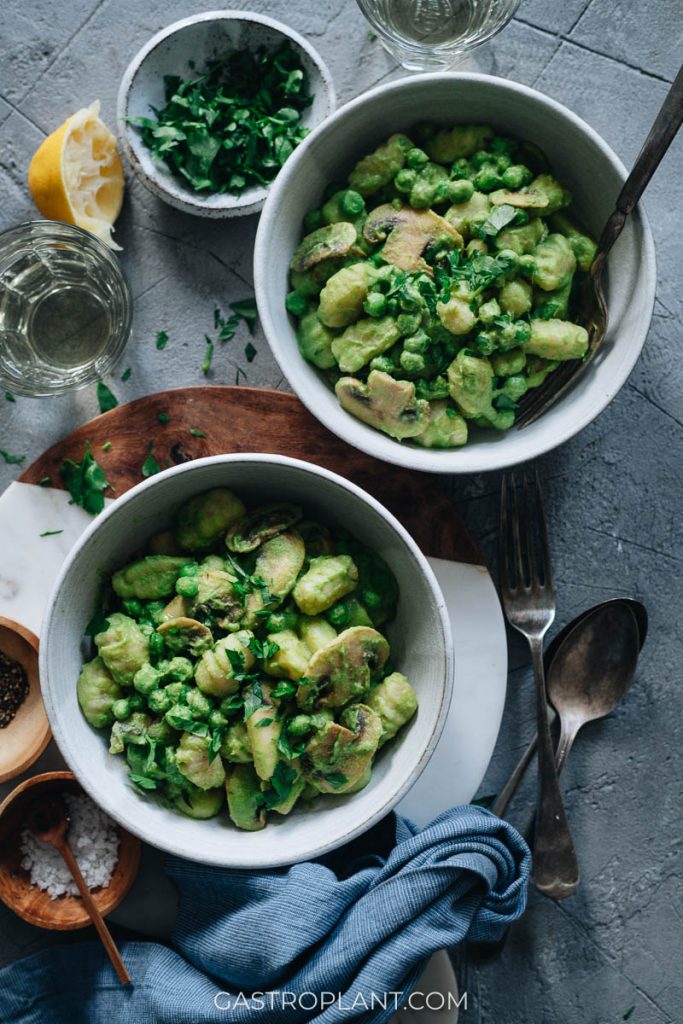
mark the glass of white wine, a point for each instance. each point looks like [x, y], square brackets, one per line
[65, 308]
[428, 35]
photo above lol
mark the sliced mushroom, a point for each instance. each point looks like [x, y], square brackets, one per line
[524, 199]
[339, 754]
[316, 537]
[408, 233]
[278, 564]
[324, 243]
[217, 596]
[385, 403]
[184, 634]
[177, 608]
[343, 669]
[262, 524]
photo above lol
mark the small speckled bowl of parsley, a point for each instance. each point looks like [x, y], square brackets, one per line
[212, 106]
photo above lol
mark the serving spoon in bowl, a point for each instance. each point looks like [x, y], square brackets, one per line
[592, 312]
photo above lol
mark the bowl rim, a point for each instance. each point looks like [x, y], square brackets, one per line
[344, 425]
[42, 733]
[273, 857]
[185, 201]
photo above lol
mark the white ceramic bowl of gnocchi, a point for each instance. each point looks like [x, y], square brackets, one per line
[419, 635]
[578, 157]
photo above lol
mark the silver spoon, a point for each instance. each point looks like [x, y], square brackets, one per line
[591, 668]
[639, 613]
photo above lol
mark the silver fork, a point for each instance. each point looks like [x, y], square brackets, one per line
[529, 601]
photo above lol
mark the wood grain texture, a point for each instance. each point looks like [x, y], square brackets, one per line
[239, 419]
[25, 738]
[65, 913]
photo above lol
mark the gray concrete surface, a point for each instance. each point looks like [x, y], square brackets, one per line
[614, 493]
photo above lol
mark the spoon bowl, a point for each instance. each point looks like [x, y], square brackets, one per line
[592, 670]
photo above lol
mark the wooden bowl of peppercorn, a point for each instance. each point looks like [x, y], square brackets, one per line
[24, 727]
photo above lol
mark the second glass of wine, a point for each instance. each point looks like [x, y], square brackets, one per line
[429, 35]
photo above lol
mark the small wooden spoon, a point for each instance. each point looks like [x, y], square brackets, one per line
[48, 821]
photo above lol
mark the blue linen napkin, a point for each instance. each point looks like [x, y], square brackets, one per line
[356, 926]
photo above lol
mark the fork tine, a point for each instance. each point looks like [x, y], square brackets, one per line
[517, 546]
[542, 398]
[504, 537]
[543, 536]
[530, 526]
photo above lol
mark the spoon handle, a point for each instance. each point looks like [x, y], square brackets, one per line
[555, 867]
[95, 916]
[662, 134]
[508, 791]
[567, 736]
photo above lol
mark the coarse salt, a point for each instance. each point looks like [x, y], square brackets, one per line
[94, 841]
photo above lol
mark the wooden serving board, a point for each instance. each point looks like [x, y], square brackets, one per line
[241, 419]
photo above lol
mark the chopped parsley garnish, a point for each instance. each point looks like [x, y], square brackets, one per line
[242, 310]
[216, 742]
[12, 460]
[163, 417]
[500, 217]
[629, 1013]
[85, 482]
[45, 481]
[336, 780]
[263, 649]
[9, 396]
[264, 722]
[143, 781]
[162, 338]
[234, 125]
[281, 784]
[208, 356]
[284, 689]
[51, 533]
[253, 698]
[126, 374]
[197, 433]
[150, 467]
[249, 352]
[106, 398]
[106, 446]
[239, 372]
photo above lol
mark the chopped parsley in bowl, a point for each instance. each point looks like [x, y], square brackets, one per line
[211, 108]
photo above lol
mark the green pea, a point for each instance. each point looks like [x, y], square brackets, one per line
[416, 158]
[485, 344]
[179, 716]
[517, 176]
[409, 323]
[405, 179]
[460, 190]
[300, 725]
[297, 304]
[187, 586]
[412, 362]
[385, 364]
[339, 614]
[121, 709]
[191, 569]
[159, 701]
[418, 342]
[352, 203]
[199, 704]
[375, 304]
[371, 599]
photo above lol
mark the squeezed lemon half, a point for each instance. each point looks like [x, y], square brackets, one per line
[76, 175]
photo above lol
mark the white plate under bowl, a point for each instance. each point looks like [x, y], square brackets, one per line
[420, 637]
[201, 38]
[580, 158]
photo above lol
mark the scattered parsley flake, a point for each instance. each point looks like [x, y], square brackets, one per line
[253, 699]
[106, 446]
[197, 433]
[336, 779]
[249, 352]
[9, 396]
[208, 356]
[264, 722]
[51, 533]
[162, 339]
[12, 460]
[372, 36]
[500, 217]
[163, 417]
[45, 481]
[126, 374]
[143, 781]
[150, 467]
[85, 482]
[245, 309]
[629, 1013]
[237, 374]
[106, 398]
